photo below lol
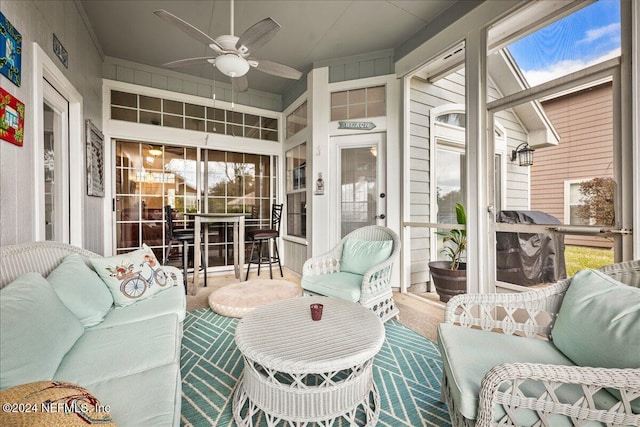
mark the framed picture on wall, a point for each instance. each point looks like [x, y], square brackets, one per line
[10, 51]
[95, 160]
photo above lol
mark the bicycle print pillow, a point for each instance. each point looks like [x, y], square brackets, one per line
[133, 276]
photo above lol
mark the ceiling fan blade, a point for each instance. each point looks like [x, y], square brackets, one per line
[257, 35]
[240, 84]
[275, 68]
[188, 61]
[188, 28]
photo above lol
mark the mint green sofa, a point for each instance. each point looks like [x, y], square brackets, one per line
[563, 355]
[129, 359]
[358, 269]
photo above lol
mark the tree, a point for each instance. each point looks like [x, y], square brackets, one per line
[597, 200]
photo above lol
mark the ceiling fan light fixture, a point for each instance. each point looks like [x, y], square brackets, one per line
[232, 65]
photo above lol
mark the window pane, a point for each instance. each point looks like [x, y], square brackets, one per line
[588, 36]
[124, 99]
[149, 103]
[173, 107]
[124, 114]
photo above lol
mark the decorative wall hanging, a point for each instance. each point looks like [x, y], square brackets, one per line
[60, 51]
[95, 160]
[10, 51]
[11, 118]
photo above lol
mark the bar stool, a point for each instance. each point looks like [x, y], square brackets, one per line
[184, 236]
[266, 236]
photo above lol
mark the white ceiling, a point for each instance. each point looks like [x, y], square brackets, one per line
[311, 30]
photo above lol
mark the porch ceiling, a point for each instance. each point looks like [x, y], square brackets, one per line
[311, 31]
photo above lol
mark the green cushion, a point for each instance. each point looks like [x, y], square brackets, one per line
[133, 276]
[36, 331]
[358, 256]
[149, 343]
[170, 301]
[599, 322]
[81, 290]
[469, 354]
[340, 285]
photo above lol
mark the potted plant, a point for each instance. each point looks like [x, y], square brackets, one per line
[450, 277]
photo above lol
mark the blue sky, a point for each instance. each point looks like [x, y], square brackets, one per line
[579, 40]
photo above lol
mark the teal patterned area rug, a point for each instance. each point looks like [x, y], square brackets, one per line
[407, 372]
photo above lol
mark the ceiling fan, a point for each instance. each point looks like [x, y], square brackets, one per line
[232, 53]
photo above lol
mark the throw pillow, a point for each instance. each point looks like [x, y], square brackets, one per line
[52, 403]
[36, 330]
[81, 290]
[133, 276]
[597, 324]
[358, 256]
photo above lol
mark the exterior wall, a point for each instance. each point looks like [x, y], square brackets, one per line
[37, 21]
[424, 97]
[584, 121]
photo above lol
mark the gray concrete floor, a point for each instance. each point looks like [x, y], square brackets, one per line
[419, 314]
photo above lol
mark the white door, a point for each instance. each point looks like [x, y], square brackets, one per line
[55, 163]
[361, 183]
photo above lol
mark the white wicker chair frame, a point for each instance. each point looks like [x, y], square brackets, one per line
[375, 292]
[43, 257]
[532, 314]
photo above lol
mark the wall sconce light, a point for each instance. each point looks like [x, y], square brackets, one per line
[155, 152]
[524, 153]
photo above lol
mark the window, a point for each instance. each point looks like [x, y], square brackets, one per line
[297, 120]
[296, 191]
[130, 107]
[358, 103]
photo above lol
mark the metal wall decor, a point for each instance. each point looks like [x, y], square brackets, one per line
[10, 51]
[11, 118]
[60, 51]
[95, 160]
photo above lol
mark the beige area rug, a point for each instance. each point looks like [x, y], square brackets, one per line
[201, 297]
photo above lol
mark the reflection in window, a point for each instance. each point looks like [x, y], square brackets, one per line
[450, 180]
[296, 191]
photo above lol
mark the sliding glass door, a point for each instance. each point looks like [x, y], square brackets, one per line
[150, 176]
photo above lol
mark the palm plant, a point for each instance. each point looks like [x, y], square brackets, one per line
[455, 240]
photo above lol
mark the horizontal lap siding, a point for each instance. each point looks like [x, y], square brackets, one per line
[584, 121]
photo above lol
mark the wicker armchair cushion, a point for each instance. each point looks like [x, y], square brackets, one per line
[341, 285]
[81, 290]
[358, 256]
[36, 330]
[599, 322]
[468, 354]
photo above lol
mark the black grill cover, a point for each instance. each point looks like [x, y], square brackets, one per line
[529, 259]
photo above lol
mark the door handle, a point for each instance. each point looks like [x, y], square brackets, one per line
[381, 216]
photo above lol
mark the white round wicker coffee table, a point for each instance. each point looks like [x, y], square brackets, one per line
[298, 371]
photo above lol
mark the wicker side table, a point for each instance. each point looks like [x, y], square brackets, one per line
[300, 371]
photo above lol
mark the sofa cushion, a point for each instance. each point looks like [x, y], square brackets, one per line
[598, 322]
[469, 354]
[81, 290]
[54, 403]
[149, 398]
[342, 285]
[358, 256]
[170, 301]
[133, 276]
[101, 354]
[36, 331]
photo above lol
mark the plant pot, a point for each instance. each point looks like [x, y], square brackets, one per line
[448, 282]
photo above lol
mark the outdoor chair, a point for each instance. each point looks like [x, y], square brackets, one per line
[358, 269]
[266, 237]
[184, 237]
[567, 354]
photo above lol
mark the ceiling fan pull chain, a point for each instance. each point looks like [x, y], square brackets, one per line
[232, 33]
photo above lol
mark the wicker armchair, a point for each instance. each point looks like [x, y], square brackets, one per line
[375, 287]
[532, 314]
